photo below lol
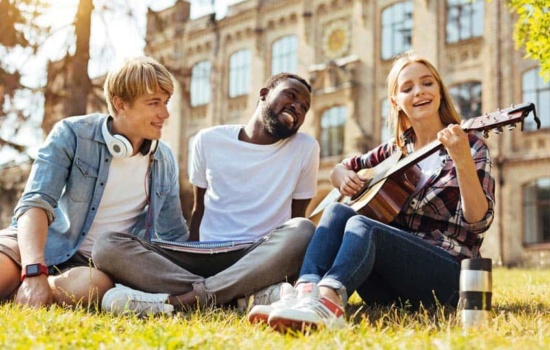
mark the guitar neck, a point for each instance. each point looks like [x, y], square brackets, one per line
[416, 157]
[483, 123]
[413, 158]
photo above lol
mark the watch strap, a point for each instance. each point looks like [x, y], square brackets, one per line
[33, 270]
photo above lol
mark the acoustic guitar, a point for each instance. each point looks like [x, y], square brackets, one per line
[390, 184]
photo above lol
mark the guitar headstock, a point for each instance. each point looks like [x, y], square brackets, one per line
[496, 120]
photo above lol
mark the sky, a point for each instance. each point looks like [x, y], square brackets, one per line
[115, 36]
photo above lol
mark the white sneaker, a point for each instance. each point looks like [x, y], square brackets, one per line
[287, 298]
[123, 300]
[310, 311]
[264, 296]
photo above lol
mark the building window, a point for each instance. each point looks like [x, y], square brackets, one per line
[239, 73]
[283, 55]
[397, 23]
[537, 91]
[464, 20]
[385, 113]
[333, 121]
[536, 208]
[467, 99]
[200, 84]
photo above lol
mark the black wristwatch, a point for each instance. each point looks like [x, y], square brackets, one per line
[33, 270]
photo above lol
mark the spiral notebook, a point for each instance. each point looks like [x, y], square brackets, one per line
[205, 247]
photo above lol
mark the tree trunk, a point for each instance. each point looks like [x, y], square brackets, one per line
[73, 88]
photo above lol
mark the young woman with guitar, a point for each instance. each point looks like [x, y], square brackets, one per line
[415, 256]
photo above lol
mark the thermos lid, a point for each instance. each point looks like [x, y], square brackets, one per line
[483, 264]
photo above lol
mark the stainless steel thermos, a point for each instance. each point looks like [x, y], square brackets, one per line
[476, 291]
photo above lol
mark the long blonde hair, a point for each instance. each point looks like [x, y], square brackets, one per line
[397, 119]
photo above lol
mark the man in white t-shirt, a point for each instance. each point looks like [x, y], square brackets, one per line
[251, 182]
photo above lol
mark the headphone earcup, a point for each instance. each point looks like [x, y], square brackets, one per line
[118, 145]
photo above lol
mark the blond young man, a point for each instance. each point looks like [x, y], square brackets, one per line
[94, 173]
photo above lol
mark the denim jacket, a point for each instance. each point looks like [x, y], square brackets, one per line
[68, 178]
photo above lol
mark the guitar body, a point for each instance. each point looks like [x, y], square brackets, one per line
[381, 201]
[385, 199]
[382, 197]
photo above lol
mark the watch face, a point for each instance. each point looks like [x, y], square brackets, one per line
[33, 269]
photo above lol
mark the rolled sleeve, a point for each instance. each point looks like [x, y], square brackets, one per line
[482, 225]
[36, 201]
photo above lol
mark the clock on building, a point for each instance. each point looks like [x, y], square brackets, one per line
[336, 39]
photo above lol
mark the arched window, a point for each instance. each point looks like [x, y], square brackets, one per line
[467, 98]
[397, 24]
[333, 121]
[200, 83]
[464, 20]
[284, 55]
[537, 91]
[536, 206]
[239, 73]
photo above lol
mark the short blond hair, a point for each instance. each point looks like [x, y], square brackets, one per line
[135, 78]
[397, 119]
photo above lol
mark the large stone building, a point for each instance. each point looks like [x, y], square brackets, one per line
[345, 48]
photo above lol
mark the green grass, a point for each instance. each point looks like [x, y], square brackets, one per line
[521, 320]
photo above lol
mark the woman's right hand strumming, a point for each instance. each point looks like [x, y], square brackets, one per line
[345, 180]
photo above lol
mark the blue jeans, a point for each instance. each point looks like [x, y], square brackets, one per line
[351, 252]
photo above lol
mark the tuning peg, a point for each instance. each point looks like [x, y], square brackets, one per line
[485, 134]
[498, 130]
[511, 127]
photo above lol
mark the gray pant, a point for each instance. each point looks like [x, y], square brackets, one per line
[217, 278]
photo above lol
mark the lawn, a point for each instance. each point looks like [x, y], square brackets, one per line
[521, 320]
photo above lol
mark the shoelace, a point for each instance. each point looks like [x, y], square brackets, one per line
[152, 303]
[285, 299]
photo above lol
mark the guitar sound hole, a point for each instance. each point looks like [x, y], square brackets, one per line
[360, 192]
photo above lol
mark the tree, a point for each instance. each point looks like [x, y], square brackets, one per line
[532, 31]
[77, 85]
[67, 85]
[18, 34]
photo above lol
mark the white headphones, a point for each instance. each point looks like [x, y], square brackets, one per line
[120, 147]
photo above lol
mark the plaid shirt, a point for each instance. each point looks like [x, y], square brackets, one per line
[435, 211]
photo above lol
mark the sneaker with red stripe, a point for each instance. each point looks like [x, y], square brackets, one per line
[260, 313]
[310, 311]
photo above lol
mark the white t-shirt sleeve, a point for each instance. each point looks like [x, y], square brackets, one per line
[306, 187]
[197, 172]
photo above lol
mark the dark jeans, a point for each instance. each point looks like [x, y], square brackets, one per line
[350, 252]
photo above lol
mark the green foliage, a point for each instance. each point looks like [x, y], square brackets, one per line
[521, 320]
[532, 31]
